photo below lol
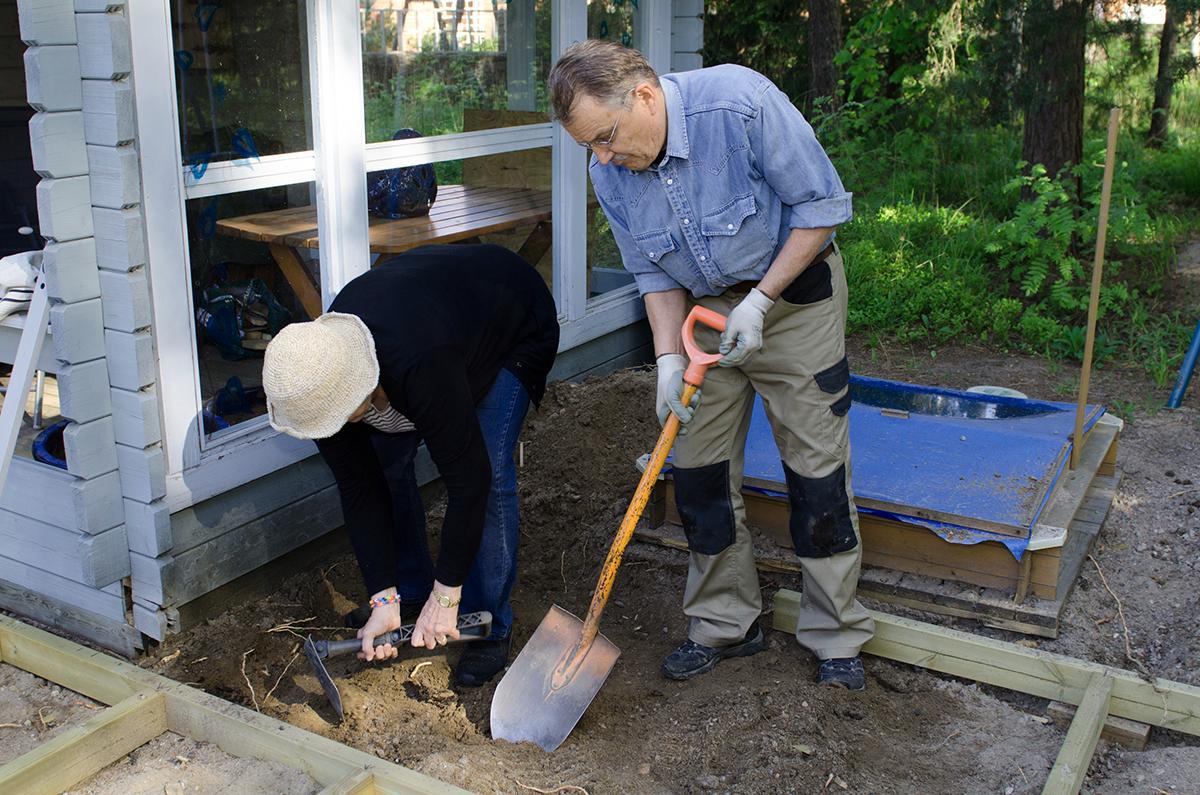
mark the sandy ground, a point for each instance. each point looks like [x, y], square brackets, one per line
[33, 711]
[760, 724]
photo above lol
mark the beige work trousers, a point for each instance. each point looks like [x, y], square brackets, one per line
[802, 376]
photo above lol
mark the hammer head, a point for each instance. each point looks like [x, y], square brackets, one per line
[315, 659]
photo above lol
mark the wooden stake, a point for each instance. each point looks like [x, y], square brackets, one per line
[1114, 118]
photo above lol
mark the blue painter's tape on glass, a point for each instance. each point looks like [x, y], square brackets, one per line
[243, 144]
[198, 164]
[184, 59]
[208, 221]
[205, 14]
[220, 91]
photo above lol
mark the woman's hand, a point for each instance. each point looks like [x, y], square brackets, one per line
[437, 624]
[384, 618]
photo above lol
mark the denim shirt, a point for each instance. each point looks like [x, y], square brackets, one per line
[742, 168]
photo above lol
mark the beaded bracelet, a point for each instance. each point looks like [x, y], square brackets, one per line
[380, 601]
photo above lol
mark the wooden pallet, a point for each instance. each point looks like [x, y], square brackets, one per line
[144, 705]
[1098, 691]
[910, 566]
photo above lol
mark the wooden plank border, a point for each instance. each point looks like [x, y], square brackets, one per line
[1170, 705]
[84, 750]
[1066, 777]
[192, 713]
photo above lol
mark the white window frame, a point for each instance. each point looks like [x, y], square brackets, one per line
[337, 165]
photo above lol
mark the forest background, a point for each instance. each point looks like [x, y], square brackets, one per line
[972, 135]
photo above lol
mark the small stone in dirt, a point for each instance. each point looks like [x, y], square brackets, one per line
[1170, 473]
[708, 781]
[644, 770]
[803, 749]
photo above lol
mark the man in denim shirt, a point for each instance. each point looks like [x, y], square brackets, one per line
[718, 194]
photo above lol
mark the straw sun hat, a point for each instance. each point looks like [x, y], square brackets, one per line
[316, 374]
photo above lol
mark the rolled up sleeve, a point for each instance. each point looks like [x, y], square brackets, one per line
[649, 277]
[795, 165]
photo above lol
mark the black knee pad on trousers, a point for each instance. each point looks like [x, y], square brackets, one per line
[702, 494]
[820, 514]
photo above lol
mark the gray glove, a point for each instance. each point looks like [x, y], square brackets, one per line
[670, 390]
[744, 328]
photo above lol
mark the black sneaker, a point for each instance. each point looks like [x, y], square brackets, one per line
[692, 659]
[846, 672]
[357, 618]
[480, 661]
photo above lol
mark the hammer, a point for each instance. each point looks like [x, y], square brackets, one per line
[471, 626]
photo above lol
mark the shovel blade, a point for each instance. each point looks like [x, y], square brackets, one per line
[527, 707]
[318, 668]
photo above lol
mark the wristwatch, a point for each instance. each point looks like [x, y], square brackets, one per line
[444, 600]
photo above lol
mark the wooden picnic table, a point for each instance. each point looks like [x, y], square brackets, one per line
[461, 213]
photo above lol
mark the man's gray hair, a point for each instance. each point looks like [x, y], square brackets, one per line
[603, 70]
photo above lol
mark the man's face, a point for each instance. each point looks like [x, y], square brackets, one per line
[630, 134]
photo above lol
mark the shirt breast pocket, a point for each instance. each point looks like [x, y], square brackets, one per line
[655, 244]
[737, 237]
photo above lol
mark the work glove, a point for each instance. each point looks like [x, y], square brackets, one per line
[744, 329]
[670, 390]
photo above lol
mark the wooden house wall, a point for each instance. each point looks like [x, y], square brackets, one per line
[64, 551]
[687, 34]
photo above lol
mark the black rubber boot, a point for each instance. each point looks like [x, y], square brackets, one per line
[692, 659]
[480, 661]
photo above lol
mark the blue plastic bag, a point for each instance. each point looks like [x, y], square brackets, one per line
[402, 192]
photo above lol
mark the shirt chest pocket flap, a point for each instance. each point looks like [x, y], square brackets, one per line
[656, 244]
[728, 220]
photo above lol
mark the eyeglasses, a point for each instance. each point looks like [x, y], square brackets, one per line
[607, 142]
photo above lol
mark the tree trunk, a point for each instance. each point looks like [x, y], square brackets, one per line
[824, 42]
[1164, 84]
[1053, 53]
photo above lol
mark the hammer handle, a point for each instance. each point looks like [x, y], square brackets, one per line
[471, 626]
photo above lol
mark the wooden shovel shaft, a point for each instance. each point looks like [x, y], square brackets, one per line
[637, 505]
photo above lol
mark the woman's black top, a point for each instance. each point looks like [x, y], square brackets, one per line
[445, 320]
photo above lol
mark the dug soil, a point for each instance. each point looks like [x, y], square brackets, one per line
[757, 724]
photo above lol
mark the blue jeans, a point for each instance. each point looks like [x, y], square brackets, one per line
[501, 414]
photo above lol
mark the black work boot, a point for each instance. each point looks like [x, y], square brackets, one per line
[481, 660]
[846, 672]
[692, 659]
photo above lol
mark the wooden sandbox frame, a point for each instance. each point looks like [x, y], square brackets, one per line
[910, 566]
[143, 705]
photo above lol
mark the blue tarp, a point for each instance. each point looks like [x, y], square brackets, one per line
[974, 461]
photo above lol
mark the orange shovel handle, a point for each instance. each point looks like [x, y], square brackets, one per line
[693, 377]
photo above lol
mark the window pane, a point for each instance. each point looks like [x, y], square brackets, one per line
[605, 269]
[502, 199]
[254, 269]
[612, 20]
[435, 66]
[241, 78]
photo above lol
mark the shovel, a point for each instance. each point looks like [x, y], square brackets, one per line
[471, 626]
[565, 663]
